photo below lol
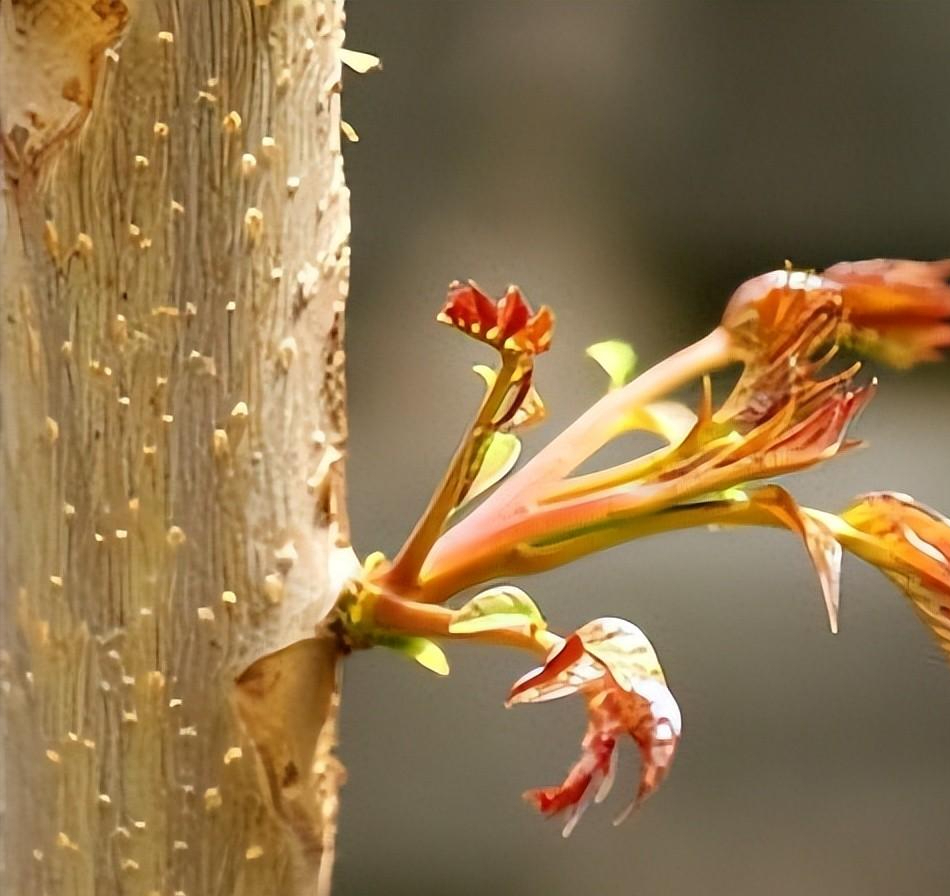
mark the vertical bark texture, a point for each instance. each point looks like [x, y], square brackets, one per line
[174, 265]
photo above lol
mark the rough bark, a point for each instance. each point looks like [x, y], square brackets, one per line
[174, 264]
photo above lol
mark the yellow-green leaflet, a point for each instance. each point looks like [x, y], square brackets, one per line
[618, 359]
[500, 457]
[670, 419]
[497, 608]
[425, 652]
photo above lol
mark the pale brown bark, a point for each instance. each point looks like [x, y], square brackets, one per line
[174, 264]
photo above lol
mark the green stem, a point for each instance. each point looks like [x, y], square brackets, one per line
[405, 568]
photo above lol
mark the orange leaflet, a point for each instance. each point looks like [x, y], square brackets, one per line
[895, 310]
[910, 544]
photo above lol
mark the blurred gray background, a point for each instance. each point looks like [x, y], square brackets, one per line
[629, 163]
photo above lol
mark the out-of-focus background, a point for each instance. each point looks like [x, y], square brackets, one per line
[629, 163]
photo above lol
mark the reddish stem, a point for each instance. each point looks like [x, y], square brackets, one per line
[486, 543]
[409, 617]
[610, 417]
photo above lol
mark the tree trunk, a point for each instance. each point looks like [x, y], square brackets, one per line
[174, 265]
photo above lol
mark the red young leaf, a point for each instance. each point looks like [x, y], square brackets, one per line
[613, 665]
[508, 324]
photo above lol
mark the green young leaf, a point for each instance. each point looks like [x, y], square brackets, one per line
[425, 652]
[500, 457]
[618, 359]
[497, 608]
